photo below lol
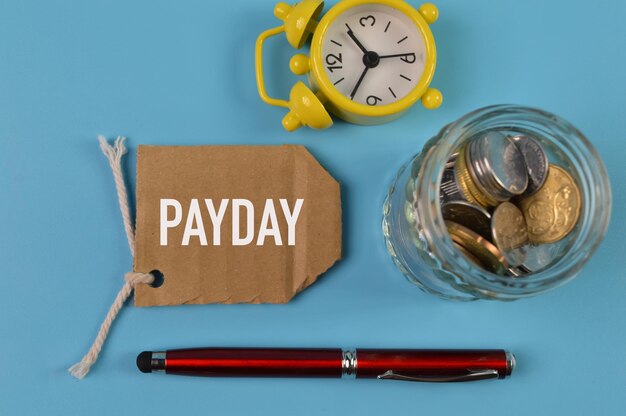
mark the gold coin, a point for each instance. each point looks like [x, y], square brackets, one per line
[509, 232]
[486, 253]
[466, 184]
[553, 211]
[469, 255]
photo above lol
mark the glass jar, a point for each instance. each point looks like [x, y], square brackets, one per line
[416, 235]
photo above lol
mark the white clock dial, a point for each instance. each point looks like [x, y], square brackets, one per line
[373, 54]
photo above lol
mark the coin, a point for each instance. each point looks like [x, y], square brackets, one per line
[469, 255]
[519, 271]
[510, 234]
[468, 215]
[541, 256]
[497, 166]
[449, 190]
[536, 162]
[553, 211]
[467, 186]
[487, 254]
[452, 160]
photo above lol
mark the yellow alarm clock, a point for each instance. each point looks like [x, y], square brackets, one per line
[370, 60]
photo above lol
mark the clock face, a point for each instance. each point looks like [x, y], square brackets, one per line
[373, 54]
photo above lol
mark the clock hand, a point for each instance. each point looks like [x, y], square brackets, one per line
[354, 38]
[358, 83]
[397, 55]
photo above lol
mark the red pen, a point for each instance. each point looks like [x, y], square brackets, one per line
[383, 364]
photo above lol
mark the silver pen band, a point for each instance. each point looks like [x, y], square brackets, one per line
[348, 364]
[157, 363]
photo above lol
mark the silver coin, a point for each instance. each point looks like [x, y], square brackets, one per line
[449, 190]
[519, 271]
[541, 256]
[468, 215]
[497, 166]
[536, 162]
[452, 160]
[538, 257]
[510, 234]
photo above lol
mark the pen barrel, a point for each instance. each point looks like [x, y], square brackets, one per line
[374, 363]
[255, 362]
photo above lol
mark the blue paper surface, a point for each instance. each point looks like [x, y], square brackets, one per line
[181, 73]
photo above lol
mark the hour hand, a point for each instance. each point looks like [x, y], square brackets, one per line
[354, 38]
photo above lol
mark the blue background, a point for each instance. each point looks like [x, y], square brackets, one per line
[181, 73]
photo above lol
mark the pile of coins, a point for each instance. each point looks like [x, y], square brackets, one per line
[500, 197]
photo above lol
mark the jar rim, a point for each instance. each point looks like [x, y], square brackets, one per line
[593, 181]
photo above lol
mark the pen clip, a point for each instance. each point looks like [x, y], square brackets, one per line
[472, 375]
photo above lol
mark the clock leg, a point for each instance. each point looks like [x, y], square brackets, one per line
[430, 12]
[432, 99]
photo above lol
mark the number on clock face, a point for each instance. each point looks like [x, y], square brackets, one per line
[373, 54]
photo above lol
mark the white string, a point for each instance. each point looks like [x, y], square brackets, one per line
[114, 155]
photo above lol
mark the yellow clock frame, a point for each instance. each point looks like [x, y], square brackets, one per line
[308, 108]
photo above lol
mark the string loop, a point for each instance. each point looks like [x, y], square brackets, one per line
[114, 155]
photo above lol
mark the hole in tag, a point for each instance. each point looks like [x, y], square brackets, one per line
[159, 278]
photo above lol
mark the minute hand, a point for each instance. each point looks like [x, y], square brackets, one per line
[398, 55]
[358, 83]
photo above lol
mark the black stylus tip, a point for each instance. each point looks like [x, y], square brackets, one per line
[144, 362]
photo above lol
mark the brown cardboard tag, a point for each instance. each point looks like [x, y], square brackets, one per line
[233, 224]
